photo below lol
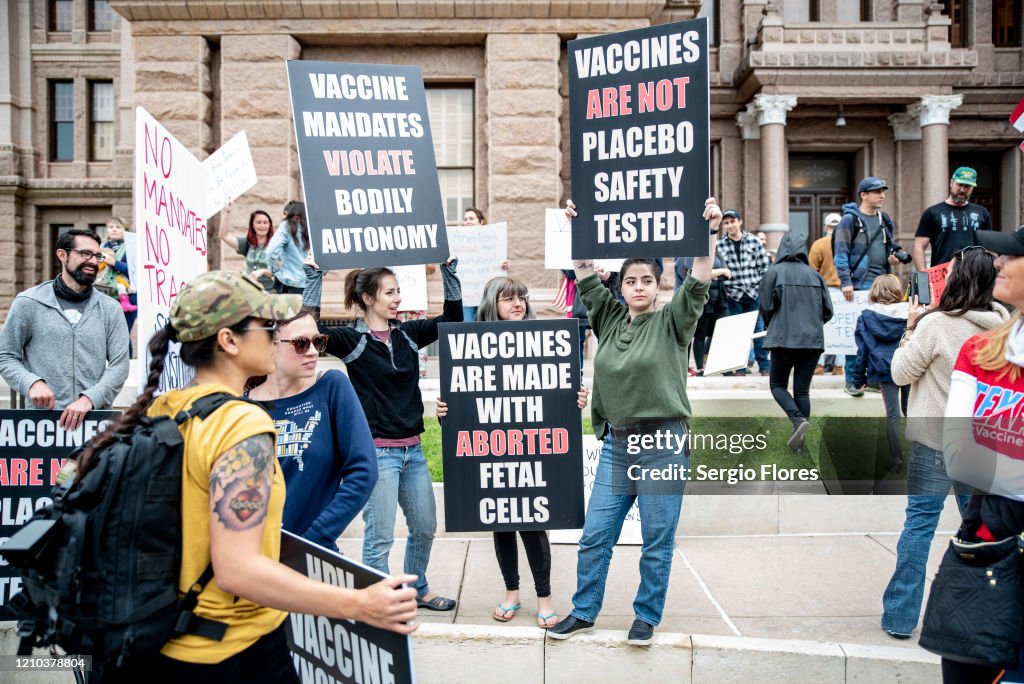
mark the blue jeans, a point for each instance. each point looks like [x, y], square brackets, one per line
[738, 306]
[469, 313]
[851, 359]
[404, 479]
[928, 487]
[659, 516]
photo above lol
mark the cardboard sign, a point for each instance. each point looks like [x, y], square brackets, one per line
[229, 173]
[481, 250]
[33, 448]
[367, 162]
[511, 441]
[558, 244]
[840, 331]
[639, 139]
[329, 650]
[412, 282]
[170, 195]
[730, 345]
[631, 533]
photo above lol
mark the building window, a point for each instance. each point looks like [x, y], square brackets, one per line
[451, 126]
[1006, 23]
[61, 15]
[800, 11]
[709, 9]
[62, 121]
[101, 121]
[956, 10]
[851, 11]
[101, 17]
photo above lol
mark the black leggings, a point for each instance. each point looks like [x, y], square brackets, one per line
[703, 333]
[801, 362]
[538, 553]
[267, 660]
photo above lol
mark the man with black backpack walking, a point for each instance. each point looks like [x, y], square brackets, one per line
[863, 248]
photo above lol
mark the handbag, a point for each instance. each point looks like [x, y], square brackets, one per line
[975, 612]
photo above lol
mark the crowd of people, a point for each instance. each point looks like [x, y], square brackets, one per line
[350, 444]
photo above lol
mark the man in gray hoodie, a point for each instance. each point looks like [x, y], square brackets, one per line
[65, 346]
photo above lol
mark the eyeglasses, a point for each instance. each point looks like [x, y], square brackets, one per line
[87, 254]
[301, 344]
[515, 298]
[959, 254]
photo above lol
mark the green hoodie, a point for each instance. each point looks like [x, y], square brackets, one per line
[640, 367]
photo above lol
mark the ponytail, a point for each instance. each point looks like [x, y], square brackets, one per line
[158, 346]
[364, 281]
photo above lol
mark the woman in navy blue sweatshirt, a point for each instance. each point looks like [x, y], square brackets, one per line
[382, 358]
[324, 446]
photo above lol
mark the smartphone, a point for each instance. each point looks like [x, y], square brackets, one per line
[924, 288]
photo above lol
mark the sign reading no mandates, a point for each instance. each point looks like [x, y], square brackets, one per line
[512, 439]
[345, 651]
[367, 162]
[638, 119]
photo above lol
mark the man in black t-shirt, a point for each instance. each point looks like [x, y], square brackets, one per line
[951, 225]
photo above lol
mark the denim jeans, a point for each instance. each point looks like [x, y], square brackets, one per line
[404, 480]
[469, 313]
[659, 516]
[895, 398]
[738, 306]
[851, 359]
[928, 487]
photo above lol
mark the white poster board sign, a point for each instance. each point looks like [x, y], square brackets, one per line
[730, 345]
[481, 250]
[412, 281]
[229, 173]
[170, 191]
[558, 243]
[839, 332]
[630, 533]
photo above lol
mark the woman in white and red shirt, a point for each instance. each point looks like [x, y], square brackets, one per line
[983, 432]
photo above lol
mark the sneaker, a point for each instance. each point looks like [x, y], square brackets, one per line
[569, 627]
[640, 634]
[872, 387]
[854, 391]
[796, 440]
[898, 635]
[741, 372]
[827, 369]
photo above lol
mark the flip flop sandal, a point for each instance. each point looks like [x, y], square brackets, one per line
[542, 620]
[437, 603]
[505, 609]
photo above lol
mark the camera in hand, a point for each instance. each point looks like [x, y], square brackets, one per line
[896, 250]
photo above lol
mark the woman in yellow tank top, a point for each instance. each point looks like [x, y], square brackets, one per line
[233, 495]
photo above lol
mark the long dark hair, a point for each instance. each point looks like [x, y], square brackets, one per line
[298, 209]
[199, 354]
[969, 287]
[251, 236]
[364, 281]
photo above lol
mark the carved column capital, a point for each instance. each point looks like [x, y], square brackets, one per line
[747, 121]
[935, 109]
[772, 109]
[905, 126]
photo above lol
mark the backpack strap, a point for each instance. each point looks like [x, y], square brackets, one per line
[190, 623]
[203, 407]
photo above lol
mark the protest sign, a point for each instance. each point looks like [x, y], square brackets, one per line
[481, 250]
[172, 238]
[229, 172]
[511, 439]
[630, 533]
[33, 448]
[412, 283]
[367, 162]
[557, 240]
[839, 332]
[639, 141]
[330, 650]
[730, 345]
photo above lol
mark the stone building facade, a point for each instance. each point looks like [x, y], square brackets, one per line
[807, 97]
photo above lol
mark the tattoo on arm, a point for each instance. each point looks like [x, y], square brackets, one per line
[240, 483]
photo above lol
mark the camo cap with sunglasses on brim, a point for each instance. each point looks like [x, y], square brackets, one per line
[1010, 244]
[220, 299]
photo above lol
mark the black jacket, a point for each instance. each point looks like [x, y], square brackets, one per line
[794, 300]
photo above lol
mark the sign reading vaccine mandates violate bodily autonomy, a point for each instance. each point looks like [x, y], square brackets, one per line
[367, 162]
[639, 139]
[512, 440]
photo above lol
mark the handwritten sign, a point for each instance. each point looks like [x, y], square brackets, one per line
[480, 250]
[840, 331]
[229, 173]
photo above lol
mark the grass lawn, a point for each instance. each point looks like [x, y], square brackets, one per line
[841, 448]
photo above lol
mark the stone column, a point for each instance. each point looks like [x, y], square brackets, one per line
[771, 119]
[523, 136]
[172, 82]
[933, 114]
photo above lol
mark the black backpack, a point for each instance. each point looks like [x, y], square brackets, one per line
[101, 577]
[888, 234]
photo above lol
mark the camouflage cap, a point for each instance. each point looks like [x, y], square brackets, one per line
[219, 299]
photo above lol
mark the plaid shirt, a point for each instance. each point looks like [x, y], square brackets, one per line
[747, 268]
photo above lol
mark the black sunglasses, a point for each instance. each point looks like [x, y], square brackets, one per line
[959, 254]
[301, 344]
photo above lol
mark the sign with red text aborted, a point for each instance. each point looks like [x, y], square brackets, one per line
[512, 439]
[639, 140]
[367, 162]
[33, 448]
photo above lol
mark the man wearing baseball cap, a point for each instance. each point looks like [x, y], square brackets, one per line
[953, 224]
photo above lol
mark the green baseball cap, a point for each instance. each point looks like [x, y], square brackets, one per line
[219, 299]
[965, 175]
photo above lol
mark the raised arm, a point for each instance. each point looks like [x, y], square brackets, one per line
[224, 228]
[582, 267]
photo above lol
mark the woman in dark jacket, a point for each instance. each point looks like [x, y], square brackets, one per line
[795, 305]
[715, 308]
